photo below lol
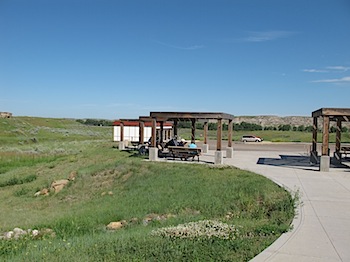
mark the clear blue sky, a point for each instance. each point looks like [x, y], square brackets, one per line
[122, 59]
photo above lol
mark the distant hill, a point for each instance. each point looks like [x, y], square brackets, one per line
[274, 120]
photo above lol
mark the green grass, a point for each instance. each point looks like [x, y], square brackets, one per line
[114, 186]
[31, 130]
[267, 135]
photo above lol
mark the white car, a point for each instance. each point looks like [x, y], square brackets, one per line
[251, 139]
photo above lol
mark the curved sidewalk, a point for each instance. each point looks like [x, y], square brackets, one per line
[321, 228]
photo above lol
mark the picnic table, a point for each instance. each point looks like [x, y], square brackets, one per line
[345, 150]
[184, 153]
[134, 145]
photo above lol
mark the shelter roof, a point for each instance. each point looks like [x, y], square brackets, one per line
[333, 113]
[136, 122]
[170, 116]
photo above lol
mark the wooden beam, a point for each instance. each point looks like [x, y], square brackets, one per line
[175, 127]
[189, 115]
[314, 135]
[154, 132]
[219, 135]
[121, 131]
[141, 132]
[229, 133]
[331, 112]
[161, 137]
[338, 136]
[325, 137]
[193, 131]
[205, 127]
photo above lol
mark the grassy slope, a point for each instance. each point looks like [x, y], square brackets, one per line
[78, 214]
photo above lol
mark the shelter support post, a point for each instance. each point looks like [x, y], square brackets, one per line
[175, 128]
[193, 131]
[153, 150]
[205, 147]
[219, 135]
[154, 133]
[229, 150]
[337, 154]
[325, 159]
[219, 154]
[161, 136]
[142, 132]
[121, 145]
[325, 136]
[314, 153]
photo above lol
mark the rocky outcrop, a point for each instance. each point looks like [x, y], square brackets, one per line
[18, 233]
[116, 225]
[42, 192]
[275, 120]
[58, 185]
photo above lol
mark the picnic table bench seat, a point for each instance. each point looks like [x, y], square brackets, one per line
[345, 150]
[184, 153]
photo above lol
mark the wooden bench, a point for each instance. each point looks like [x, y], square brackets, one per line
[134, 145]
[184, 153]
[345, 150]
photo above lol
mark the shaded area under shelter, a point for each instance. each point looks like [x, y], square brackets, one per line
[176, 117]
[338, 115]
[137, 131]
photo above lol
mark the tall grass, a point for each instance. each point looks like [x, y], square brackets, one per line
[10, 160]
[259, 208]
[119, 186]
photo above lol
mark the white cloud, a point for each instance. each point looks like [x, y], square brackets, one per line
[315, 71]
[328, 69]
[335, 80]
[264, 36]
[338, 68]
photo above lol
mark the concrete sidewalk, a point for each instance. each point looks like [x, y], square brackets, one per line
[321, 229]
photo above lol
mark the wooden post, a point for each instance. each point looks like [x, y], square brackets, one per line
[141, 132]
[229, 133]
[121, 131]
[314, 135]
[175, 127]
[205, 127]
[154, 132]
[325, 137]
[338, 136]
[193, 129]
[219, 135]
[161, 137]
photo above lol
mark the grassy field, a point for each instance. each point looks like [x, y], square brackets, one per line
[169, 211]
[267, 135]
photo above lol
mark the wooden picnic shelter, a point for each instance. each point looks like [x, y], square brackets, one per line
[175, 117]
[139, 134]
[337, 115]
[144, 120]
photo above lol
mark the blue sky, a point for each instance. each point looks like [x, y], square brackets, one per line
[122, 59]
